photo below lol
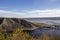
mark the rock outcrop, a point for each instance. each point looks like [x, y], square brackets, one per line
[10, 24]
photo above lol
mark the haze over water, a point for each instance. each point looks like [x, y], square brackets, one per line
[39, 31]
[47, 21]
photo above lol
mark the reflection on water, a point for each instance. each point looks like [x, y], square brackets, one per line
[49, 31]
[36, 32]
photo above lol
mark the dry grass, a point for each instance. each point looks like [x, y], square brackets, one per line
[18, 34]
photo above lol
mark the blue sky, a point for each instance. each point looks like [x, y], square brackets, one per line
[29, 8]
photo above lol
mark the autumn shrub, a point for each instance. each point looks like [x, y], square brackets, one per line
[1, 36]
[18, 34]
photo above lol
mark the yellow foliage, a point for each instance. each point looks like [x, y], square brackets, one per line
[18, 34]
[1, 36]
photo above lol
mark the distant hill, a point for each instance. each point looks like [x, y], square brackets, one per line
[9, 24]
[13, 23]
[50, 18]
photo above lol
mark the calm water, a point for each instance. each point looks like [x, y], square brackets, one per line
[38, 32]
[48, 31]
[47, 21]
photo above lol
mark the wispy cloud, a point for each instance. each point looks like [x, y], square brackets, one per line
[31, 14]
[4, 13]
[45, 13]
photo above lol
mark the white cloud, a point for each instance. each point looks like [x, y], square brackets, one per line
[32, 13]
[45, 13]
[4, 13]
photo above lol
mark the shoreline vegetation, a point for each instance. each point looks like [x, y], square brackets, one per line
[13, 29]
[18, 34]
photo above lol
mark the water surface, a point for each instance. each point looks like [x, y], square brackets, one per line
[49, 31]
